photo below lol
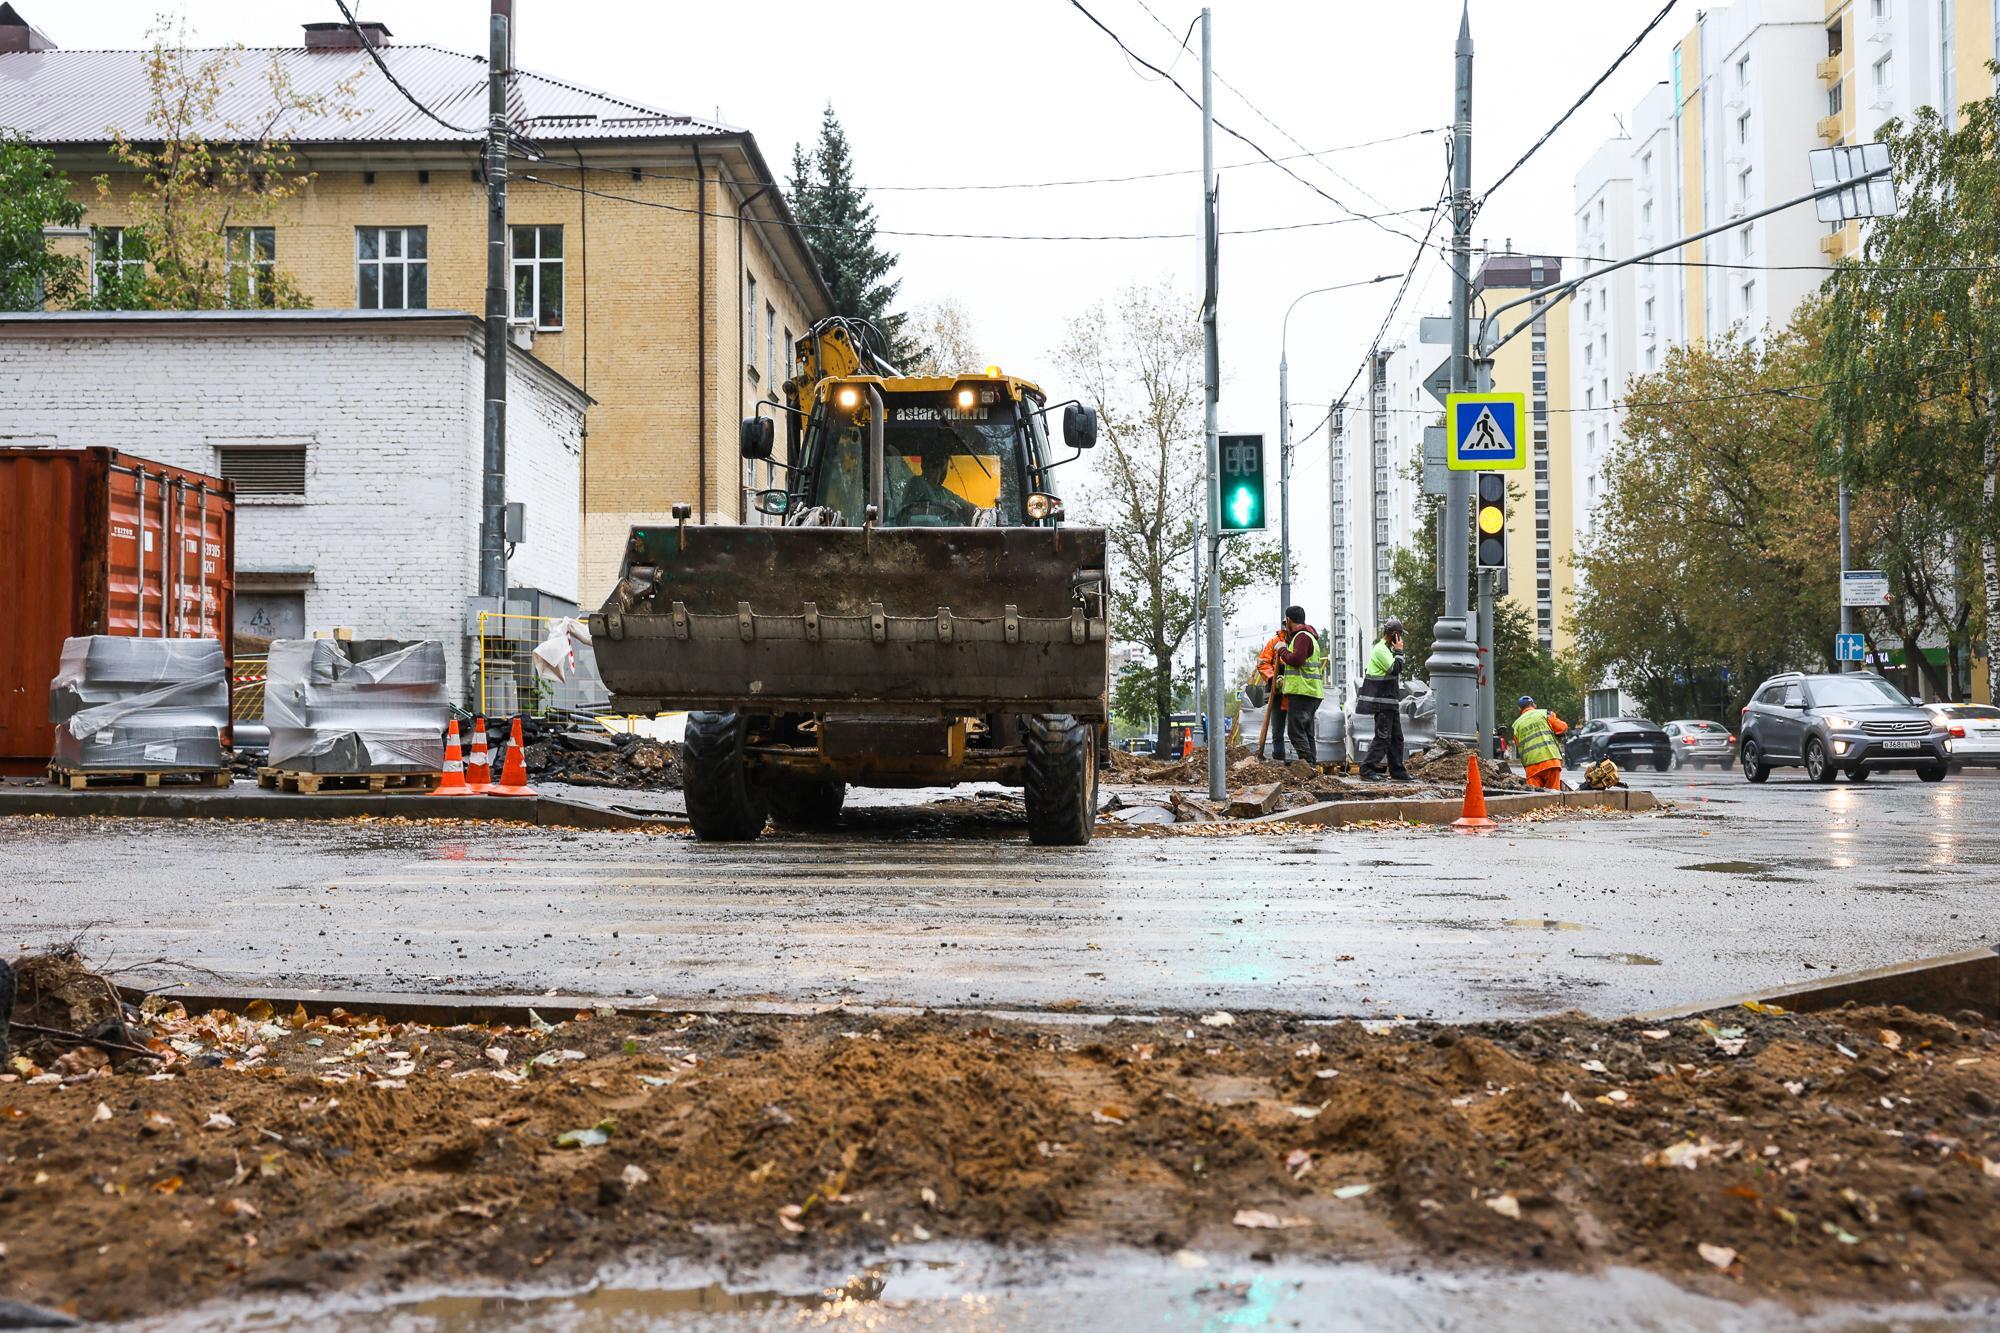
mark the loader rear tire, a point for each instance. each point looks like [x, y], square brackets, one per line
[812, 803]
[723, 805]
[1061, 787]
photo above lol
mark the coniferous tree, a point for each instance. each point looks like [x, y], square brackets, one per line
[839, 224]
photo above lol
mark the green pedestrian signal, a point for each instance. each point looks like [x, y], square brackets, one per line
[1242, 460]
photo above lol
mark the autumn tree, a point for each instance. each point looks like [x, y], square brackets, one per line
[942, 332]
[202, 185]
[1138, 361]
[1715, 542]
[34, 195]
[1912, 347]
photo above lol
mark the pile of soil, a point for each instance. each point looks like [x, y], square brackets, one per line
[1847, 1155]
[600, 759]
[1445, 763]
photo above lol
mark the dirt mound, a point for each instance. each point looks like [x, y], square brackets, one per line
[1853, 1154]
[57, 990]
[1445, 764]
[600, 759]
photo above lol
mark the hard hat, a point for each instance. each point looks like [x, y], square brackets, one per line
[1391, 626]
[1526, 701]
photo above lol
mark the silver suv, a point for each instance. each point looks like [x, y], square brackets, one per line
[1853, 724]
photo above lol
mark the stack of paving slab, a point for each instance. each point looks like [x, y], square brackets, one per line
[129, 705]
[331, 713]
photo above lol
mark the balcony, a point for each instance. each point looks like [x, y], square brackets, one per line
[1828, 70]
[1834, 245]
[1829, 128]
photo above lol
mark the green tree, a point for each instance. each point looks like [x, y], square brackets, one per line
[1913, 342]
[201, 187]
[1715, 543]
[1139, 363]
[34, 195]
[839, 226]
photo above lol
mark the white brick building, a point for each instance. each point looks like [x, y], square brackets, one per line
[354, 438]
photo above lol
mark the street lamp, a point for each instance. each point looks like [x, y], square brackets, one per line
[1285, 435]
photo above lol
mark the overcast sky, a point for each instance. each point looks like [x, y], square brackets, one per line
[940, 92]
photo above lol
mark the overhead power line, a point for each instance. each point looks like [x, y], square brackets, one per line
[1597, 83]
[395, 82]
[1239, 136]
[969, 235]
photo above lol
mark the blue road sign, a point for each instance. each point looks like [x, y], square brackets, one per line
[1850, 648]
[1484, 431]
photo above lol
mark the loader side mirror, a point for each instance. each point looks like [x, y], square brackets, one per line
[775, 503]
[1080, 426]
[758, 435]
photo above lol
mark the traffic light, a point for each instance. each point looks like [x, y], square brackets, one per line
[1489, 521]
[1242, 482]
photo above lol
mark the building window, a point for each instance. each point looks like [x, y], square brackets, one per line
[1878, 10]
[1744, 242]
[1646, 165]
[1836, 98]
[538, 275]
[789, 344]
[771, 340]
[392, 268]
[1743, 128]
[1743, 186]
[1646, 219]
[1882, 73]
[1833, 40]
[1749, 297]
[1947, 82]
[250, 262]
[1743, 72]
[1648, 320]
[266, 472]
[118, 256]
[750, 320]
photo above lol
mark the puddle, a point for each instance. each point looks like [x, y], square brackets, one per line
[1628, 959]
[1729, 867]
[1540, 923]
[983, 1290]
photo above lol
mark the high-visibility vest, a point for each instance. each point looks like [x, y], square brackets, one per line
[1304, 681]
[1534, 740]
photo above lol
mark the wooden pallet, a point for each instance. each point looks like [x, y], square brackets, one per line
[284, 779]
[80, 779]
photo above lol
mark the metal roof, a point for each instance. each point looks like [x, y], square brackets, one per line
[79, 97]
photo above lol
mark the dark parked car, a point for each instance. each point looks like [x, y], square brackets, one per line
[1696, 742]
[1853, 724]
[1626, 741]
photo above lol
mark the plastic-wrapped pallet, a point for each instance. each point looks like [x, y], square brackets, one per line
[139, 705]
[329, 713]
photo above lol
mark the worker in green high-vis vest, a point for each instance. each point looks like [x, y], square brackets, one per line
[1381, 696]
[1300, 659]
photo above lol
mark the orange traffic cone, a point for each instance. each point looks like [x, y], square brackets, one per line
[514, 772]
[1473, 818]
[453, 783]
[479, 767]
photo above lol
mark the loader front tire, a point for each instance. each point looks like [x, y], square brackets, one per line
[723, 805]
[1061, 788]
[809, 803]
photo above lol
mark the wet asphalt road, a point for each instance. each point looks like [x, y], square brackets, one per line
[1736, 888]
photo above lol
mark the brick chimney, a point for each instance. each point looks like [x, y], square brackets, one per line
[16, 35]
[340, 37]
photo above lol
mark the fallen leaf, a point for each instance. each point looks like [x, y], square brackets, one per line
[1572, 1102]
[259, 1010]
[1218, 1019]
[596, 1136]
[1304, 1112]
[1719, 1255]
[1759, 1007]
[237, 1208]
[929, 1196]
[1299, 1162]
[1839, 1233]
[102, 1113]
[1744, 1192]
[1182, 1259]
[1351, 1191]
[1594, 1067]
[167, 1186]
[1256, 1219]
[1656, 1034]
[299, 1017]
[788, 1217]
[1990, 1167]
[482, 1210]
[1891, 1038]
[634, 1176]
[1506, 1205]
[1109, 1115]
[918, 1232]
[219, 1120]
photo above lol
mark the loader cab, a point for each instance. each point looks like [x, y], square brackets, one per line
[970, 453]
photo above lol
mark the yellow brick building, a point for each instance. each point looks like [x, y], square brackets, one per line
[654, 261]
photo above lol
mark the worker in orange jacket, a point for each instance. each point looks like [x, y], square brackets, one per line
[1535, 743]
[1267, 670]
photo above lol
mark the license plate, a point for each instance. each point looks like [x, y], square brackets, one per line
[1902, 745]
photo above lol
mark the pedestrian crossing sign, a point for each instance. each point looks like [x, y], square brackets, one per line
[1485, 431]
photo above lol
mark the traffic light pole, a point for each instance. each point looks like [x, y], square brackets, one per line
[1846, 611]
[1211, 385]
[1489, 666]
[1453, 665]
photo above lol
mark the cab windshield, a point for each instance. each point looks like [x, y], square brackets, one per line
[943, 466]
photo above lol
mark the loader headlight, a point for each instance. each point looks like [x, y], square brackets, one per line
[967, 399]
[1042, 506]
[848, 397]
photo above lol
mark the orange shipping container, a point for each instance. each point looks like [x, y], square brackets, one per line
[93, 541]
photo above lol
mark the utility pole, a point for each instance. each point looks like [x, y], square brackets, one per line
[1846, 554]
[1200, 628]
[1211, 384]
[493, 485]
[1489, 665]
[1453, 664]
[1336, 549]
[1284, 481]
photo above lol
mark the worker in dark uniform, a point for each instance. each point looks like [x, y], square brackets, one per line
[1300, 662]
[1381, 696]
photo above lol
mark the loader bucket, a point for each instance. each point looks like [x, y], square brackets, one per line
[941, 621]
